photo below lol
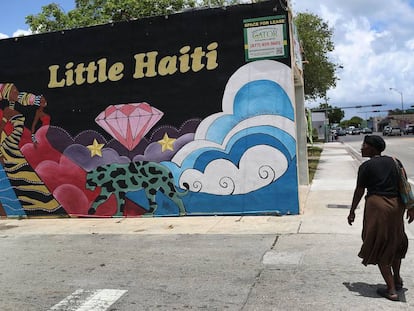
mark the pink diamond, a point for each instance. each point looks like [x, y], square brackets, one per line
[128, 123]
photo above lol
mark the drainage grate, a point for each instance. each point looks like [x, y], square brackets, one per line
[339, 206]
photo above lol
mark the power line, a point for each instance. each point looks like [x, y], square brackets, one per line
[334, 108]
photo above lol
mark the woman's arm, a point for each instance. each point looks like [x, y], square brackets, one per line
[358, 193]
[410, 215]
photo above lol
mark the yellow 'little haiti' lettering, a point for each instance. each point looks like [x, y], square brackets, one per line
[81, 73]
[146, 64]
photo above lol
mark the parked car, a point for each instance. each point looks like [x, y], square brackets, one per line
[386, 130]
[356, 131]
[340, 131]
[409, 129]
[349, 130]
[366, 130]
[395, 131]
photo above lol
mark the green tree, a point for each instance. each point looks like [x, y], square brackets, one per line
[95, 12]
[219, 2]
[344, 124]
[335, 114]
[316, 39]
[355, 121]
[394, 112]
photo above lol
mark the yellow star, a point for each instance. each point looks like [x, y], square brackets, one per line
[167, 143]
[95, 148]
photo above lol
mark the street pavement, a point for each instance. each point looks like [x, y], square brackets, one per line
[310, 264]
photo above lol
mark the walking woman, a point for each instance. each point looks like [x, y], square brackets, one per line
[384, 240]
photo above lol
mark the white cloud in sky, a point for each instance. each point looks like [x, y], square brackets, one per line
[410, 44]
[17, 33]
[374, 42]
[21, 32]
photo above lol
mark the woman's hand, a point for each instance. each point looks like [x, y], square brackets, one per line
[351, 217]
[410, 215]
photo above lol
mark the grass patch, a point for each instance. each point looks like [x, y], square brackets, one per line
[314, 153]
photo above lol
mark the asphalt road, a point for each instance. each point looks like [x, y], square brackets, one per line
[156, 272]
[401, 147]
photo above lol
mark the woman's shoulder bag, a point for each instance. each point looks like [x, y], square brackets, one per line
[406, 193]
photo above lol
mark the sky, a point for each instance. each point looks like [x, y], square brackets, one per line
[13, 20]
[374, 42]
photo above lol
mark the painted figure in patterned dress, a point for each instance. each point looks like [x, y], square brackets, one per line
[32, 193]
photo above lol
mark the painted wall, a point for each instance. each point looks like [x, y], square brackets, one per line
[187, 114]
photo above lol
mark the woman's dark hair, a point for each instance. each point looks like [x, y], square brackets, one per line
[375, 141]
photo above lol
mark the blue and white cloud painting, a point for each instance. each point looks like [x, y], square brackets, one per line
[243, 160]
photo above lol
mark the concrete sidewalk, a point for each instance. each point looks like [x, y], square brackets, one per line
[313, 264]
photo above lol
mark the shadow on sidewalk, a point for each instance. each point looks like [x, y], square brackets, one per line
[369, 290]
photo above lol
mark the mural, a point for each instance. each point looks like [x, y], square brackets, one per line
[156, 135]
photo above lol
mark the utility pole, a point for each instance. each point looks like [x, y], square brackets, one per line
[402, 98]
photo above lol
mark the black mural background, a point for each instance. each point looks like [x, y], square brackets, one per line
[181, 96]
